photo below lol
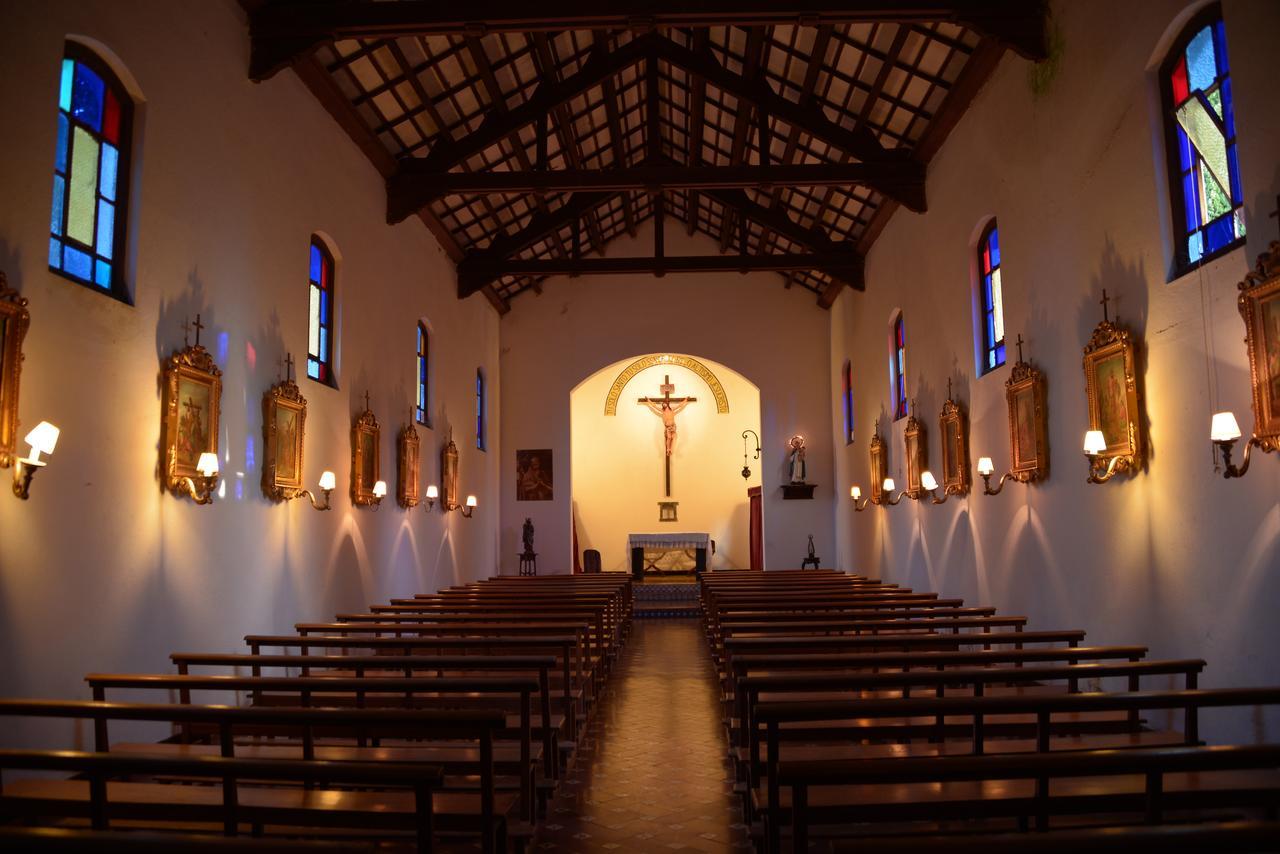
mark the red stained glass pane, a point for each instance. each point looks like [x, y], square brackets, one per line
[111, 119]
[986, 258]
[1179, 81]
[325, 272]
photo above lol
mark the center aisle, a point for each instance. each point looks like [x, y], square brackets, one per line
[651, 774]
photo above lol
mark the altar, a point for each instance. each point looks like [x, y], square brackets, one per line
[668, 553]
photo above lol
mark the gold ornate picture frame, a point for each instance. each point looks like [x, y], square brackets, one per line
[1111, 384]
[914, 441]
[284, 421]
[192, 405]
[879, 467]
[1028, 424]
[408, 456]
[953, 427]
[1259, 304]
[366, 461]
[15, 319]
[449, 476]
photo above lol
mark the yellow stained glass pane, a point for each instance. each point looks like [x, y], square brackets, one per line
[313, 339]
[1205, 136]
[82, 193]
[997, 305]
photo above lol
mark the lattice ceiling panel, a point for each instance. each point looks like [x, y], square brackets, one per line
[414, 93]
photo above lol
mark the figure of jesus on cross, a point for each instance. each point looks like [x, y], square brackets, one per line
[667, 408]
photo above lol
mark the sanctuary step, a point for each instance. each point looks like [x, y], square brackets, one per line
[667, 599]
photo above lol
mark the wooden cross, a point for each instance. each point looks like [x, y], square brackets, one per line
[186, 332]
[1105, 299]
[1019, 343]
[366, 400]
[948, 388]
[288, 367]
[667, 408]
[198, 326]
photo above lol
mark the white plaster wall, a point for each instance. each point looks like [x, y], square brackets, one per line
[629, 447]
[1176, 558]
[102, 571]
[776, 338]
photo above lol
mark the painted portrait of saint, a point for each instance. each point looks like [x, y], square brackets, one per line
[368, 460]
[534, 476]
[286, 443]
[193, 421]
[951, 452]
[1271, 350]
[1024, 408]
[1113, 402]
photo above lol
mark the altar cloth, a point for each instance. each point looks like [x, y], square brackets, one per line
[669, 541]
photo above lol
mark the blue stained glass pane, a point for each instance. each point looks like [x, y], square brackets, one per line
[1202, 68]
[1237, 194]
[986, 293]
[995, 248]
[1220, 47]
[102, 274]
[86, 97]
[106, 228]
[316, 262]
[1228, 108]
[110, 164]
[1000, 357]
[77, 263]
[64, 88]
[59, 199]
[1191, 201]
[1195, 247]
[1219, 233]
[324, 308]
[55, 253]
[991, 359]
[64, 131]
[313, 369]
[1184, 149]
[324, 344]
[991, 328]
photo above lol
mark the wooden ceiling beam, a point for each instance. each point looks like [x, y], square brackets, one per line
[752, 53]
[617, 140]
[697, 119]
[284, 30]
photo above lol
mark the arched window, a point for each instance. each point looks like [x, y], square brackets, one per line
[991, 290]
[846, 400]
[320, 314]
[480, 425]
[91, 174]
[898, 367]
[1200, 130]
[424, 365]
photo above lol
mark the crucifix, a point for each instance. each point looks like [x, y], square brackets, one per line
[1105, 299]
[667, 408]
[288, 367]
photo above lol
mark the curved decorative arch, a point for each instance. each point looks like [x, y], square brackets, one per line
[629, 372]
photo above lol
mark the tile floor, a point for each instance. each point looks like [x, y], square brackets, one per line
[651, 773]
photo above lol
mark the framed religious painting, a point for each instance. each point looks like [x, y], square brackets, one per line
[366, 465]
[284, 420]
[1028, 423]
[1111, 383]
[192, 404]
[1259, 304]
[14, 321]
[534, 475]
[879, 467]
[913, 439]
[954, 427]
[408, 454]
[449, 476]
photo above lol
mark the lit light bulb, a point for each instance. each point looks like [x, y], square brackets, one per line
[985, 466]
[928, 481]
[1224, 427]
[207, 465]
[471, 501]
[43, 438]
[888, 484]
[855, 492]
[433, 492]
[328, 481]
[1094, 443]
[380, 489]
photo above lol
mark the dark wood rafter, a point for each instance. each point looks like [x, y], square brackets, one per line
[283, 31]
[748, 80]
[697, 118]
[616, 137]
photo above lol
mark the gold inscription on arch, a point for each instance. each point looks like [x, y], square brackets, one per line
[717, 390]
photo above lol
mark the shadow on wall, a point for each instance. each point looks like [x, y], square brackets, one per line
[349, 573]
[11, 264]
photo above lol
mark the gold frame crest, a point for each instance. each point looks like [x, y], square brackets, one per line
[191, 364]
[366, 424]
[1260, 287]
[15, 320]
[1024, 379]
[955, 452]
[1108, 342]
[408, 466]
[282, 396]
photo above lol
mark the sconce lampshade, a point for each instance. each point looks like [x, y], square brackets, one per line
[328, 481]
[888, 484]
[1094, 443]
[928, 481]
[471, 501]
[42, 439]
[207, 465]
[380, 489]
[985, 466]
[855, 492]
[433, 492]
[1224, 428]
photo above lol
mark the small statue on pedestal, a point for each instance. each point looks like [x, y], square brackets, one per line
[797, 459]
[527, 535]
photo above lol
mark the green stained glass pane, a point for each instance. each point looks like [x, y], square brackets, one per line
[1215, 101]
[82, 194]
[1216, 202]
[313, 339]
[997, 304]
[64, 91]
[1239, 222]
[1204, 134]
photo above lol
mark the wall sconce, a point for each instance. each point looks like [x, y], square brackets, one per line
[201, 487]
[888, 491]
[433, 492]
[470, 507]
[327, 483]
[746, 470]
[1099, 471]
[379, 493]
[1225, 432]
[986, 468]
[43, 439]
[855, 492]
[930, 485]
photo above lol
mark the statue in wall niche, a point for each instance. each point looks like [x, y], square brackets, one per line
[526, 535]
[797, 459]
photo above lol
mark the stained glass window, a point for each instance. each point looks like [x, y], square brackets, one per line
[90, 174]
[423, 415]
[480, 409]
[1207, 199]
[992, 289]
[320, 314]
[846, 400]
[898, 368]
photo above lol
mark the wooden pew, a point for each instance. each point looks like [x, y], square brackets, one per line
[1251, 836]
[68, 840]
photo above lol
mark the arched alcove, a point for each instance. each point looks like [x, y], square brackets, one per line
[617, 453]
